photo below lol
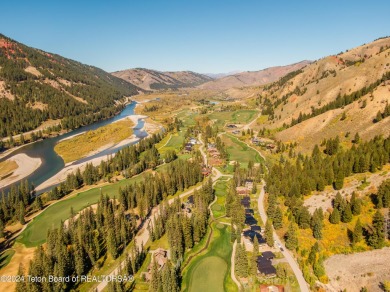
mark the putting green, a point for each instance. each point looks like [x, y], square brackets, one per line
[208, 275]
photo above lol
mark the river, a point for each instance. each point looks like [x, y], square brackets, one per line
[53, 163]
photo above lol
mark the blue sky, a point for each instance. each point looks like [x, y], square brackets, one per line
[202, 36]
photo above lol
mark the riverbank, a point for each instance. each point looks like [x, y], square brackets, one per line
[72, 167]
[26, 166]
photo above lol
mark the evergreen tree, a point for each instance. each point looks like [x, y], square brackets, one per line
[335, 216]
[292, 237]
[347, 214]
[357, 235]
[269, 233]
[377, 237]
[278, 218]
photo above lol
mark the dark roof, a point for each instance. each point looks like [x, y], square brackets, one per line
[249, 211]
[191, 199]
[246, 202]
[251, 235]
[255, 228]
[264, 264]
[250, 220]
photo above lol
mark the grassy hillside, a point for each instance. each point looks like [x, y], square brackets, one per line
[156, 80]
[36, 86]
[337, 94]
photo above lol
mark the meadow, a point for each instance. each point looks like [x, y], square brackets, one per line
[80, 146]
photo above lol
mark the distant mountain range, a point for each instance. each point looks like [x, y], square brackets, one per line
[155, 80]
[252, 78]
[220, 75]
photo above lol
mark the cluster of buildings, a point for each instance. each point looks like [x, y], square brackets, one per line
[214, 154]
[246, 189]
[252, 230]
[190, 144]
[263, 143]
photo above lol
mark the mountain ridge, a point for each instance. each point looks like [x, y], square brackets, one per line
[253, 78]
[36, 86]
[149, 79]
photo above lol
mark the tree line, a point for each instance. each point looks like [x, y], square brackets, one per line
[77, 247]
[130, 160]
[184, 230]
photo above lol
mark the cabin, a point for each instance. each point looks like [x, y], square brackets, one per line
[231, 126]
[264, 264]
[206, 171]
[271, 288]
[250, 236]
[246, 202]
[242, 191]
[250, 220]
[249, 211]
[249, 184]
[193, 141]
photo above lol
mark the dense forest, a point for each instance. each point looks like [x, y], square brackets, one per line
[184, 230]
[55, 84]
[77, 247]
[129, 161]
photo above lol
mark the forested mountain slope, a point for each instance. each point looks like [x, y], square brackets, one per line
[341, 94]
[36, 86]
[156, 80]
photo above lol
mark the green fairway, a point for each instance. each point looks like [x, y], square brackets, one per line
[211, 271]
[239, 151]
[36, 231]
[208, 275]
[236, 117]
[218, 208]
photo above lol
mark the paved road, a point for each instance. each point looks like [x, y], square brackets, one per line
[232, 274]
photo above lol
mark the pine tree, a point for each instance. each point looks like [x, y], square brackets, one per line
[347, 214]
[278, 218]
[335, 216]
[357, 235]
[21, 213]
[255, 246]
[356, 204]
[269, 233]
[377, 238]
[292, 237]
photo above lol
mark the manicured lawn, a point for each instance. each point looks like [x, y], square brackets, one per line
[218, 207]
[236, 117]
[211, 271]
[208, 275]
[239, 151]
[36, 231]
[5, 257]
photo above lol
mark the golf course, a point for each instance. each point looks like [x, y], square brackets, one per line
[210, 272]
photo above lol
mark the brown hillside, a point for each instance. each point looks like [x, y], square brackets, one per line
[321, 83]
[252, 78]
[155, 80]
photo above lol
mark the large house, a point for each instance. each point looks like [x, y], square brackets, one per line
[264, 264]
